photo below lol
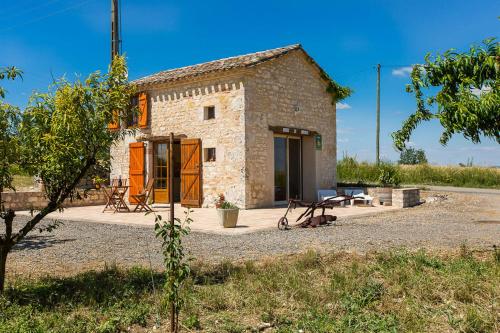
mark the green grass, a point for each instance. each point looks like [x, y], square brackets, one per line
[386, 292]
[351, 171]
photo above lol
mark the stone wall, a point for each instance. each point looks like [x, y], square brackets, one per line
[36, 200]
[288, 92]
[179, 108]
[405, 197]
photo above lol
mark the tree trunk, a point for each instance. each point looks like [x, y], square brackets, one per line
[3, 262]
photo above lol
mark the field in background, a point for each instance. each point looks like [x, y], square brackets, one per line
[386, 292]
[22, 182]
[351, 171]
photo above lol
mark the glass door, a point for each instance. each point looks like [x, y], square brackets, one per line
[280, 170]
[287, 169]
[161, 173]
[294, 169]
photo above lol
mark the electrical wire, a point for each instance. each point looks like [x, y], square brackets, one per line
[8, 14]
[46, 16]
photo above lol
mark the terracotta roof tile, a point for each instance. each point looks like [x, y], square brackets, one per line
[247, 60]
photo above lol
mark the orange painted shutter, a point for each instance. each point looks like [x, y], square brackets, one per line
[136, 169]
[143, 110]
[116, 123]
[191, 189]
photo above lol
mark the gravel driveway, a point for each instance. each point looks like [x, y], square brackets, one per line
[75, 246]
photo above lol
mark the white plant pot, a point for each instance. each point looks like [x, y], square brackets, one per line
[228, 217]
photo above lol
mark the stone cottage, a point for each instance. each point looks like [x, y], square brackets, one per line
[259, 128]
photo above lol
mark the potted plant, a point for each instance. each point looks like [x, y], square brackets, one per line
[98, 181]
[227, 211]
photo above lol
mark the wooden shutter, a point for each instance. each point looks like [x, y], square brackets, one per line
[136, 169]
[191, 187]
[143, 110]
[116, 122]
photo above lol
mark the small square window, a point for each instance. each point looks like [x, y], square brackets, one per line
[210, 155]
[209, 112]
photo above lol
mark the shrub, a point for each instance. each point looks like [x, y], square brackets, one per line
[388, 174]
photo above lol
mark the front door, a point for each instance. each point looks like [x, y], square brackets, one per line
[287, 168]
[161, 173]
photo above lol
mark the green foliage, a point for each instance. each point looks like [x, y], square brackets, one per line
[67, 128]
[176, 266]
[336, 91]
[412, 156]
[106, 301]
[468, 100]
[351, 171]
[60, 137]
[8, 73]
[220, 202]
[9, 140]
[390, 291]
[388, 174]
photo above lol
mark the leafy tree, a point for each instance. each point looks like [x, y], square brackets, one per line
[9, 119]
[468, 96]
[412, 156]
[62, 135]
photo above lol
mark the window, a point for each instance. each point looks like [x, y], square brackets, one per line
[209, 112]
[132, 116]
[210, 154]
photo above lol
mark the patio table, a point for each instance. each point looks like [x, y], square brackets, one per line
[111, 196]
[120, 192]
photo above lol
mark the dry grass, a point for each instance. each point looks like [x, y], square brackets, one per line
[385, 292]
[351, 171]
[22, 182]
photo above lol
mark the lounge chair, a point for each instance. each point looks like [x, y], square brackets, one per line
[330, 194]
[358, 195]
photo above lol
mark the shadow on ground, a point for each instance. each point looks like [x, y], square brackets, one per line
[39, 242]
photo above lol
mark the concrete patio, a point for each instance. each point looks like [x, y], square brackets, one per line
[204, 219]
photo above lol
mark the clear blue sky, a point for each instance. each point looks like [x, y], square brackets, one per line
[347, 38]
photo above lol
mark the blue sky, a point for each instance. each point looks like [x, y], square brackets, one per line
[63, 37]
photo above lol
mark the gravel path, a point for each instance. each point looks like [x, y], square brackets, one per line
[77, 246]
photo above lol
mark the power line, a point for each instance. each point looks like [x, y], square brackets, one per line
[46, 16]
[10, 14]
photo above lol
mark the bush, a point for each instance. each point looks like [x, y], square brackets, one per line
[388, 174]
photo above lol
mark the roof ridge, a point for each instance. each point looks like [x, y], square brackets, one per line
[244, 60]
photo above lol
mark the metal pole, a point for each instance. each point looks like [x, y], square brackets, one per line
[377, 158]
[115, 38]
[173, 319]
[171, 177]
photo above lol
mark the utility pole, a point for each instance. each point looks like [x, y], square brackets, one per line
[377, 158]
[115, 32]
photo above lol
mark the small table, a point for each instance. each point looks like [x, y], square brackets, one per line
[120, 192]
[109, 192]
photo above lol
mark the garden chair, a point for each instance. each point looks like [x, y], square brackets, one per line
[143, 197]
